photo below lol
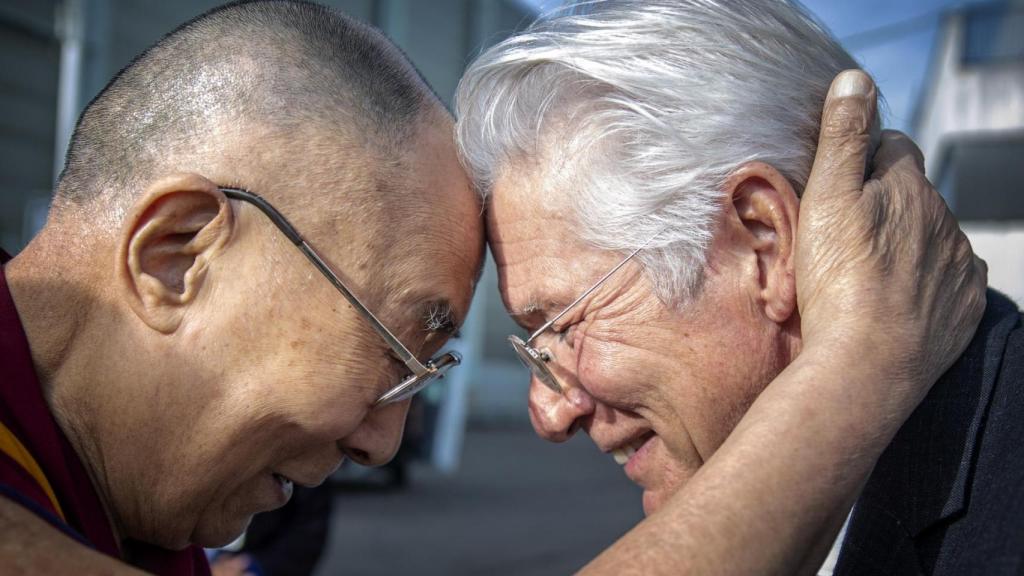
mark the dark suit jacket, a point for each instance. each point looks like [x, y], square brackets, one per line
[947, 496]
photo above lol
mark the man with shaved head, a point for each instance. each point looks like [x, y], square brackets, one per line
[259, 244]
[188, 364]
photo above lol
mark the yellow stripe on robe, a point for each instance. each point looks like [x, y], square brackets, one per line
[10, 445]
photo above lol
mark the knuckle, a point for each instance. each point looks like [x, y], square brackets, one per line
[892, 137]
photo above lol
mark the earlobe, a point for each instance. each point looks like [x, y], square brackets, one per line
[173, 231]
[767, 208]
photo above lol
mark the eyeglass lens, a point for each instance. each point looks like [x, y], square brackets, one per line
[413, 384]
[536, 361]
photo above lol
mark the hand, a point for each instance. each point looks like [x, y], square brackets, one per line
[882, 268]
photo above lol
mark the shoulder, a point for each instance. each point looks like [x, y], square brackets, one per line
[989, 534]
[33, 546]
[947, 495]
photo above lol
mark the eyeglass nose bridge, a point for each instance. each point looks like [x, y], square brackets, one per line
[536, 361]
[436, 369]
[542, 353]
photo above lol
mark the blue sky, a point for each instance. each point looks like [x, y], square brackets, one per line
[898, 55]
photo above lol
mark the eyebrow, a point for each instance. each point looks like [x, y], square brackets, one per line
[439, 318]
[533, 307]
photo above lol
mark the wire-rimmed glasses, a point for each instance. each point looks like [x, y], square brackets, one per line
[537, 360]
[422, 374]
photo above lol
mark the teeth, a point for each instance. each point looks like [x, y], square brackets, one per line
[622, 455]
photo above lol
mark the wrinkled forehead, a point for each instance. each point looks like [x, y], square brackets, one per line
[445, 223]
[420, 288]
[532, 196]
[428, 248]
[434, 273]
[541, 259]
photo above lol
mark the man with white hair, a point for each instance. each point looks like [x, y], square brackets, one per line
[643, 164]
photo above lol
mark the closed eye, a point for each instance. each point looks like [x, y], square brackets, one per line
[566, 333]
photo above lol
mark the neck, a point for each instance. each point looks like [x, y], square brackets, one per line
[49, 307]
[794, 338]
[54, 309]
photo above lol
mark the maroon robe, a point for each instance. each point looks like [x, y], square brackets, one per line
[25, 413]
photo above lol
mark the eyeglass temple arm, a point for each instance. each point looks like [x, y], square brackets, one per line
[597, 285]
[282, 223]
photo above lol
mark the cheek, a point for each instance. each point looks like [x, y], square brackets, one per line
[742, 380]
[326, 391]
[175, 502]
[613, 367]
[717, 380]
[318, 409]
[599, 365]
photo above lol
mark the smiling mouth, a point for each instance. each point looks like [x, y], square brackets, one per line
[285, 482]
[625, 452]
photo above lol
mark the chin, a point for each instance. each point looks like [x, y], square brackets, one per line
[215, 533]
[659, 488]
[656, 497]
[653, 500]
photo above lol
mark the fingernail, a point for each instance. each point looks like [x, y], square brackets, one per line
[851, 83]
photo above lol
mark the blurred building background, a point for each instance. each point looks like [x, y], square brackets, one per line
[970, 125]
[494, 500]
[952, 72]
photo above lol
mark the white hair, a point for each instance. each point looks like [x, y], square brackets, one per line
[653, 103]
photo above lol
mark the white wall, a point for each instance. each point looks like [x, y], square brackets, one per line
[1001, 245]
[966, 100]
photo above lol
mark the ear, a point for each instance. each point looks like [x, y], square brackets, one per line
[170, 236]
[767, 209]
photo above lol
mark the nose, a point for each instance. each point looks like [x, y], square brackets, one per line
[376, 440]
[556, 417]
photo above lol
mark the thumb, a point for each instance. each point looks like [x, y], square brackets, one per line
[847, 123]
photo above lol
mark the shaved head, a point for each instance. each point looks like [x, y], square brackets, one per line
[240, 83]
[316, 112]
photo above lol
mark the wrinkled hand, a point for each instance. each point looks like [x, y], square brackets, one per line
[882, 266]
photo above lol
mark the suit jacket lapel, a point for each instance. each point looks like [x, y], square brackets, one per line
[924, 476]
